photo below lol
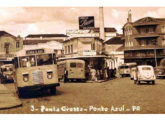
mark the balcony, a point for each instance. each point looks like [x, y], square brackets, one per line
[144, 55]
[144, 47]
[146, 35]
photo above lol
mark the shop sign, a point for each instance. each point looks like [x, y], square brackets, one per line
[86, 22]
[89, 53]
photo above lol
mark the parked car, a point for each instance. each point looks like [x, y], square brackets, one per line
[160, 72]
[145, 73]
[6, 73]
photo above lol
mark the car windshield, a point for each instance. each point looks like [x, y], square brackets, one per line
[146, 68]
[45, 59]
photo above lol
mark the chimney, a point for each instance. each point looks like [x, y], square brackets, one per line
[129, 19]
[101, 23]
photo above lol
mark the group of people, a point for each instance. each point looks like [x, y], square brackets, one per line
[101, 74]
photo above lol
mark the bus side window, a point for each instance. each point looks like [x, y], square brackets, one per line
[15, 62]
[54, 58]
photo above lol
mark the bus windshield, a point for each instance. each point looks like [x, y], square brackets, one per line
[27, 61]
[45, 59]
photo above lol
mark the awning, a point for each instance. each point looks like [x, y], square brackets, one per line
[97, 56]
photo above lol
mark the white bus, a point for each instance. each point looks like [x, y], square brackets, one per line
[35, 70]
[125, 69]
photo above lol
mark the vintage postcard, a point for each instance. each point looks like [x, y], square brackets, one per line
[82, 60]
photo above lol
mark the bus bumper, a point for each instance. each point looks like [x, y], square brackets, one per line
[38, 87]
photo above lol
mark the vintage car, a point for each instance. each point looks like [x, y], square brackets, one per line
[145, 73]
[160, 72]
[6, 73]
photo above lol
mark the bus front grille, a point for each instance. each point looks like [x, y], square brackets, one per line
[38, 77]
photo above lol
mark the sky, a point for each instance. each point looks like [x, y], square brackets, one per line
[56, 20]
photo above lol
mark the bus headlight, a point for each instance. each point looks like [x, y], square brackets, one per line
[50, 75]
[25, 77]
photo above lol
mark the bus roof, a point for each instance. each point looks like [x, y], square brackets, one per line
[28, 52]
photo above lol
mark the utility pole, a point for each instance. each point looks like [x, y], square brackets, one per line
[155, 57]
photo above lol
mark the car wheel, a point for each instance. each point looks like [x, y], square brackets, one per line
[138, 82]
[153, 82]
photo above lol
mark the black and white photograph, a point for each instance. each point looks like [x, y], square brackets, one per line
[82, 60]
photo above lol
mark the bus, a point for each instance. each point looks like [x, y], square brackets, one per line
[125, 69]
[35, 70]
[72, 69]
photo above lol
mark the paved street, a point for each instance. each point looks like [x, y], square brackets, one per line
[114, 96]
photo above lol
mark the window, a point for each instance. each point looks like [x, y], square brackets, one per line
[93, 46]
[6, 46]
[163, 29]
[73, 65]
[28, 61]
[44, 59]
[17, 44]
[146, 68]
[163, 40]
[79, 65]
[71, 47]
[66, 50]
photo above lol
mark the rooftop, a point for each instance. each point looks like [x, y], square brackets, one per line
[115, 40]
[45, 35]
[2, 33]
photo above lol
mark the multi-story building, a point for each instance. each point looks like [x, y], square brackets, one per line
[114, 50]
[43, 38]
[9, 45]
[144, 40]
[86, 48]
[92, 32]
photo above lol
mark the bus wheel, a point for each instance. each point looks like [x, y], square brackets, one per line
[53, 90]
[19, 93]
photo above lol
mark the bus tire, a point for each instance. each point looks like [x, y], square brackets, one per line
[19, 93]
[52, 90]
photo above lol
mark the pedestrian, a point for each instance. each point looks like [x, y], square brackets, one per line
[93, 75]
[65, 76]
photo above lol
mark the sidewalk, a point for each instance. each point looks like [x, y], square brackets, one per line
[8, 99]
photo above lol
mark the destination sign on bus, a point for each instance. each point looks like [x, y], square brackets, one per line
[36, 51]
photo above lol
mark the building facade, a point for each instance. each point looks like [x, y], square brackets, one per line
[114, 50]
[88, 49]
[9, 45]
[144, 40]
